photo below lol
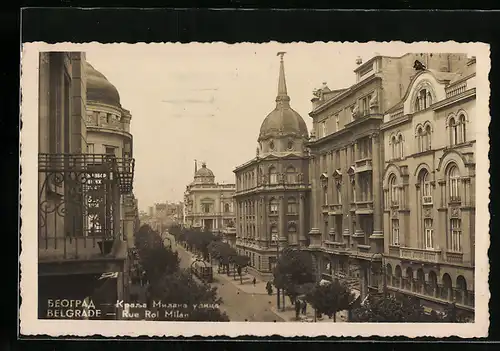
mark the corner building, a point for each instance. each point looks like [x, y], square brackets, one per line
[347, 168]
[208, 205]
[429, 188]
[272, 190]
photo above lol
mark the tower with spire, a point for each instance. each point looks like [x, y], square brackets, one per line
[278, 177]
[283, 130]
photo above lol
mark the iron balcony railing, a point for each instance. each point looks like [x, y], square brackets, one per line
[79, 204]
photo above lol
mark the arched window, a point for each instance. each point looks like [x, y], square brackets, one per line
[461, 291]
[462, 126]
[292, 205]
[446, 291]
[397, 276]
[325, 195]
[420, 139]
[454, 183]
[273, 176]
[393, 191]
[425, 186]
[338, 188]
[273, 206]
[409, 279]
[420, 283]
[454, 135]
[394, 147]
[226, 207]
[400, 146]
[388, 272]
[291, 176]
[432, 285]
[427, 139]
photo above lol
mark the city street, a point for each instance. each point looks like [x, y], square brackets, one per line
[238, 305]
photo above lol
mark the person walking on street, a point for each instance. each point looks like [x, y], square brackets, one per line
[304, 307]
[254, 281]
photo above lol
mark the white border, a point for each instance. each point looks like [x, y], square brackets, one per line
[30, 325]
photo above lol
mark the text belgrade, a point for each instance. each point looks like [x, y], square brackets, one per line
[72, 309]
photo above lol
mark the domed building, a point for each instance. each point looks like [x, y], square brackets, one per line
[108, 132]
[272, 189]
[208, 205]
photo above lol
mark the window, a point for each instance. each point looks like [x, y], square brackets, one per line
[291, 177]
[90, 148]
[425, 184]
[366, 105]
[427, 141]
[274, 233]
[273, 206]
[454, 135]
[394, 147]
[339, 194]
[271, 145]
[325, 195]
[292, 205]
[461, 122]
[456, 233]
[273, 176]
[292, 234]
[400, 146]
[206, 208]
[290, 145]
[423, 100]
[429, 233]
[453, 183]
[393, 191]
[226, 208]
[395, 232]
[324, 130]
[337, 122]
[110, 150]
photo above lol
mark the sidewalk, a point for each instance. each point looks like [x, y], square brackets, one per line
[289, 314]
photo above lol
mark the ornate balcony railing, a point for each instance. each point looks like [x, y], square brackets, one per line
[456, 89]
[433, 256]
[79, 205]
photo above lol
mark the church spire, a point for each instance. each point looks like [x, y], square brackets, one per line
[282, 97]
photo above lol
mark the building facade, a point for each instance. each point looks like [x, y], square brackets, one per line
[347, 168]
[208, 205]
[429, 189]
[81, 252]
[108, 133]
[272, 190]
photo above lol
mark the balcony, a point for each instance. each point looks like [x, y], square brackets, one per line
[423, 255]
[364, 207]
[363, 165]
[335, 209]
[454, 257]
[79, 205]
[324, 209]
[456, 89]
[335, 246]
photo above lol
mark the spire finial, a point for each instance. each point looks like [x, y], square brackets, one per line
[282, 91]
[195, 166]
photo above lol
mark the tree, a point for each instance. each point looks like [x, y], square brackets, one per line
[180, 288]
[293, 269]
[401, 308]
[240, 262]
[158, 261]
[330, 298]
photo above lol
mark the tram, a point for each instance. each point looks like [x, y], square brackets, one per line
[203, 271]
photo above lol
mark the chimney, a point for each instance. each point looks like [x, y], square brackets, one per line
[359, 60]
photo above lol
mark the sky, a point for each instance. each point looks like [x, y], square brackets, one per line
[207, 101]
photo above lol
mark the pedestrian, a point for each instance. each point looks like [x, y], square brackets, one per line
[254, 281]
[297, 309]
[304, 307]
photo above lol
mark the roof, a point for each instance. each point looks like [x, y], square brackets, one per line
[99, 89]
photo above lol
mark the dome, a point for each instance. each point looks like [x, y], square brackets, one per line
[283, 119]
[99, 89]
[204, 172]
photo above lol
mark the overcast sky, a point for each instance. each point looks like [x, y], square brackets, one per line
[207, 101]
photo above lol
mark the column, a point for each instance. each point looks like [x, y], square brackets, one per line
[283, 223]
[256, 218]
[377, 189]
[314, 186]
[245, 219]
[344, 166]
[302, 216]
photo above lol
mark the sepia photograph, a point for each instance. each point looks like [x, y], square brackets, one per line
[298, 185]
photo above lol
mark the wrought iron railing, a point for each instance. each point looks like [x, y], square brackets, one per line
[79, 204]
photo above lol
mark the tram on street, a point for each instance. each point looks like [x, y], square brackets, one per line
[203, 271]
